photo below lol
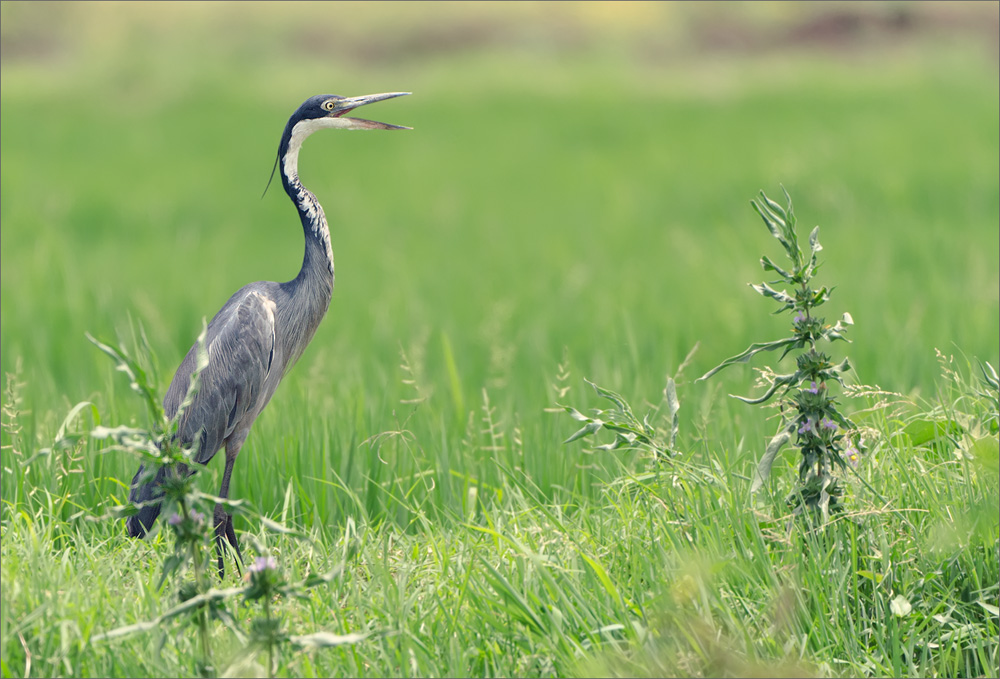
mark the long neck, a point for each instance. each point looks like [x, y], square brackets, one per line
[316, 276]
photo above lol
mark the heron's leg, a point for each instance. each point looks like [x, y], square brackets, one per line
[223, 519]
[224, 531]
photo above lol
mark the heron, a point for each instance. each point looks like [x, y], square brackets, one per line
[259, 333]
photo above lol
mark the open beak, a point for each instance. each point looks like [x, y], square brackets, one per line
[348, 104]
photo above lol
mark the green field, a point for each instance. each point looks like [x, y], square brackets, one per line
[572, 203]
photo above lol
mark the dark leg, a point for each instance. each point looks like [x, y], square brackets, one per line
[224, 520]
[224, 533]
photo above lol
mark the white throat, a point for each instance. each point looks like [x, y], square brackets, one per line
[303, 198]
[303, 129]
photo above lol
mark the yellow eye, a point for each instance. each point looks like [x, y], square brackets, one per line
[329, 104]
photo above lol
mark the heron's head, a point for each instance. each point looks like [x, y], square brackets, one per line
[329, 111]
[325, 111]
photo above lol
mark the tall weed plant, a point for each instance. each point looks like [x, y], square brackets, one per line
[809, 410]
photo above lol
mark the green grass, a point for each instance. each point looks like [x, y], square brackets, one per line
[557, 213]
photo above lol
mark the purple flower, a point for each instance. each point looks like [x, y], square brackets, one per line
[813, 389]
[263, 563]
[799, 317]
[808, 427]
[194, 516]
[827, 423]
[853, 456]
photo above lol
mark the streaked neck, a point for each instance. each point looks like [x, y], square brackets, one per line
[318, 260]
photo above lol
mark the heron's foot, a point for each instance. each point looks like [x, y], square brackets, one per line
[224, 533]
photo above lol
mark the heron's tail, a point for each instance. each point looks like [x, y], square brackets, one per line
[147, 495]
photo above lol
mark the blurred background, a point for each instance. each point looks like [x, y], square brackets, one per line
[575, 190]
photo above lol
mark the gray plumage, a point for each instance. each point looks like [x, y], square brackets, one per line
[260, 331]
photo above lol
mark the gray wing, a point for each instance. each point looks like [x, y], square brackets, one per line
[241, 352]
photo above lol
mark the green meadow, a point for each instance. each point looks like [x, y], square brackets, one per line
[572, 204]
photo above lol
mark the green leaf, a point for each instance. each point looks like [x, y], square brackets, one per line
[775, 208]
[763, 470]
[130, 439]
[779, 381]
[749, 353]
[777, 295]
[836, 332]
[989, 608]
[819, 297]
[990, 375]
[790, 212]
[602, 575]
[768, 265]
[814, 245]
[516, 605]
[587, 430]
[619, 441]
[833, 371]
[277, 527]
[925, 431]
[986, 452]
[774, 223]
[824, 497]
[814, 248]
[781, 223]
[874, 577]
[612, 396]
